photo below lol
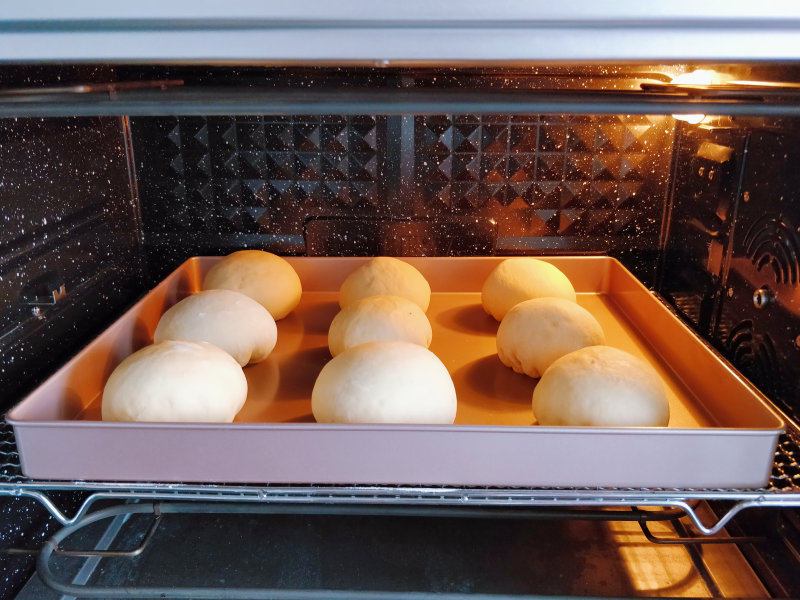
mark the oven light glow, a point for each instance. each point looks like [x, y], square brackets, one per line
[694, 119]
[698, 77]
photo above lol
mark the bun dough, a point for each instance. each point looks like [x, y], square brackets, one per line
[536, 332]
[522, 278]
[229, 320]
[384, 275]
[176, 380]
[379, 318]
[265, 277]
[384, 382]
[601, 386]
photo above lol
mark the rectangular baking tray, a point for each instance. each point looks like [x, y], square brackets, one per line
[722, 432]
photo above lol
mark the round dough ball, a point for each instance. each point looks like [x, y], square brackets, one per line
[176, 380]
[229, 320]
[384, 275]
[384, 382]
[522, 278]
[601, 386]
[536, 332]
[267, 278]
[378, 318]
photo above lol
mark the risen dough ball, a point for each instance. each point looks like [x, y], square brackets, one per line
[601, 386]
[536, 332]
[265, 277]
[385, 275]
[384, 382]
[176, 380]
[522, 278]
[229, 320]
[379, 318]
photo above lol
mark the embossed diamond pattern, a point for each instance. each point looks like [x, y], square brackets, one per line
[602, 175]
[546, 175]
[259, 174]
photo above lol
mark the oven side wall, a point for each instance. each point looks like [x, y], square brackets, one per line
[69, 262]
[69, 242]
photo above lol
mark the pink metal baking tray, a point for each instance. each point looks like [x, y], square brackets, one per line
[722, 431]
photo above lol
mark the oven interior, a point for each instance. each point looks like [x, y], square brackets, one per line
[110, 177]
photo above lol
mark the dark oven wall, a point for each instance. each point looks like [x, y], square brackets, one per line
[732, 261]
[403, 185]
[70, 261]
[69, 241]
[731, 268]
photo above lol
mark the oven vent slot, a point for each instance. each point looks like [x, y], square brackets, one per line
[755, 354]
[773, 240]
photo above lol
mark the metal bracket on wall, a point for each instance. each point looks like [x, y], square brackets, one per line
[46, 290]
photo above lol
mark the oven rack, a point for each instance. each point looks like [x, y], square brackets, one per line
[783, 490]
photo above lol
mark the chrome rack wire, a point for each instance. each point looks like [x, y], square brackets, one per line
[783, 490]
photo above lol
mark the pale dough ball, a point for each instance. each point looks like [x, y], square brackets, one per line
[379, 318]
[522, 278]
[601, 386]
[384, 382]
[536, 332]
[176, 380]
[385, 275]
[267, 278]
[229, 320]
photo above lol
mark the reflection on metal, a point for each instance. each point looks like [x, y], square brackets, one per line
[249, 101]
[647, 569]
[111, 88]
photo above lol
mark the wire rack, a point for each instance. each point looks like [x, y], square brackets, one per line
[783, 490]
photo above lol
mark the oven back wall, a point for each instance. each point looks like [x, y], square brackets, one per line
[538, 183]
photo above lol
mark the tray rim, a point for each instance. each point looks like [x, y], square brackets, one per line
[355, 427]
